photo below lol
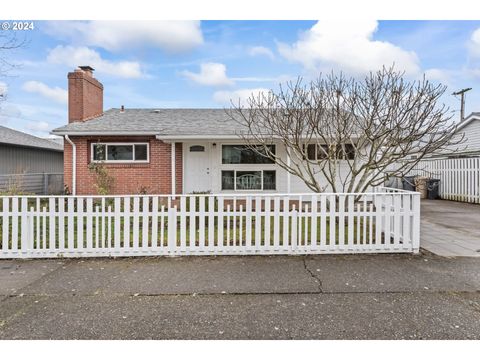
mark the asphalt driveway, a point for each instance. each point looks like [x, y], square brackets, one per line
[277, 297]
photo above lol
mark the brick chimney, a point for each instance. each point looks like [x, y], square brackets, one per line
[85, 95]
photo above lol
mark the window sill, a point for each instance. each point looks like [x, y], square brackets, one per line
[249, 191]
[126, 165]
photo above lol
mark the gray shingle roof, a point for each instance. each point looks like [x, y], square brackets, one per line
[168, 122]
[14, 137]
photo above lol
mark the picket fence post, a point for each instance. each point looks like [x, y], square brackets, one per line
[294, 229]
[172, 228]
[416, 223]
[25, 239]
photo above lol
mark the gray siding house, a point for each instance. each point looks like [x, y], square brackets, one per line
[470, 130]
[30, 163]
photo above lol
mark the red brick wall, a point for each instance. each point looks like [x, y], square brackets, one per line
[85, 96]
[155, 177]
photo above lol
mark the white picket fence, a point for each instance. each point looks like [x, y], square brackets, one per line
[459, 178]
[86, 226]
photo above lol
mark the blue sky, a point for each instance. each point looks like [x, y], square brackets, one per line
[204, 64]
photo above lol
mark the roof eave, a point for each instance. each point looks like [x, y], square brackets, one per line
[467, 121]
[32, 147]
[103, 133]
[196, 137]
[215, 137]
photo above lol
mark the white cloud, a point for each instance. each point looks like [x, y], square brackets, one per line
[172, 36]
[262, 51]
[347, 46]
[54, 93]
[474, 47]
[211, 74]
[32, 118]
[74, 56]
[258, 79]
[474, 44]
[439, 75]
[241, 95]
[39, 126]
[7, 111]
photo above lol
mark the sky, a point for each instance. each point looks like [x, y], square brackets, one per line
[203, 64]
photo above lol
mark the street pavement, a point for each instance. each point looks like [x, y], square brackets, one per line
[233, 297]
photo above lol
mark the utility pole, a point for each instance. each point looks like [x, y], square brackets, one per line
[462, 101]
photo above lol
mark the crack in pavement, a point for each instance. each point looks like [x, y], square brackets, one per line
[457, 294]
[315, 277]
[318, 286]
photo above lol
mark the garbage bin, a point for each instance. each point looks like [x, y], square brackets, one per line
[408, 183]
[433, 189]
[421, 186]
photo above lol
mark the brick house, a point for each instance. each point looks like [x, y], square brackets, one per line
[161, 151]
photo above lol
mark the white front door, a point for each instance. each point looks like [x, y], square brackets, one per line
[197, 167]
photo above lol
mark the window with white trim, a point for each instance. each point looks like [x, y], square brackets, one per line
[254, 169]
[248, 179]
[243, 154]
[120, 152]
[317, 152]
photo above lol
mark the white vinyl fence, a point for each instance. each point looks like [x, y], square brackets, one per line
[82, 226]
[459, 178]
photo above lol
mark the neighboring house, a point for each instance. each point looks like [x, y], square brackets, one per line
[57, 140]
[161, 151]
[469, 128]
[467, 136]
[22, 153]
[28, 162]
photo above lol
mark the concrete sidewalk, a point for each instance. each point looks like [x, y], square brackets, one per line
[450, 228]
[278, 297]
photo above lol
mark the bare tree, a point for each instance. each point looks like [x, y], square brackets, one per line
[345, 133]
[8, 43]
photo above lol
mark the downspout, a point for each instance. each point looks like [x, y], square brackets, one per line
[183, 168]
[173, 166]
[74, 164]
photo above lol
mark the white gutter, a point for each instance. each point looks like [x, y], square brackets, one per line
[170, 138]
[183, 168]
[74, 165]
[104, 133]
